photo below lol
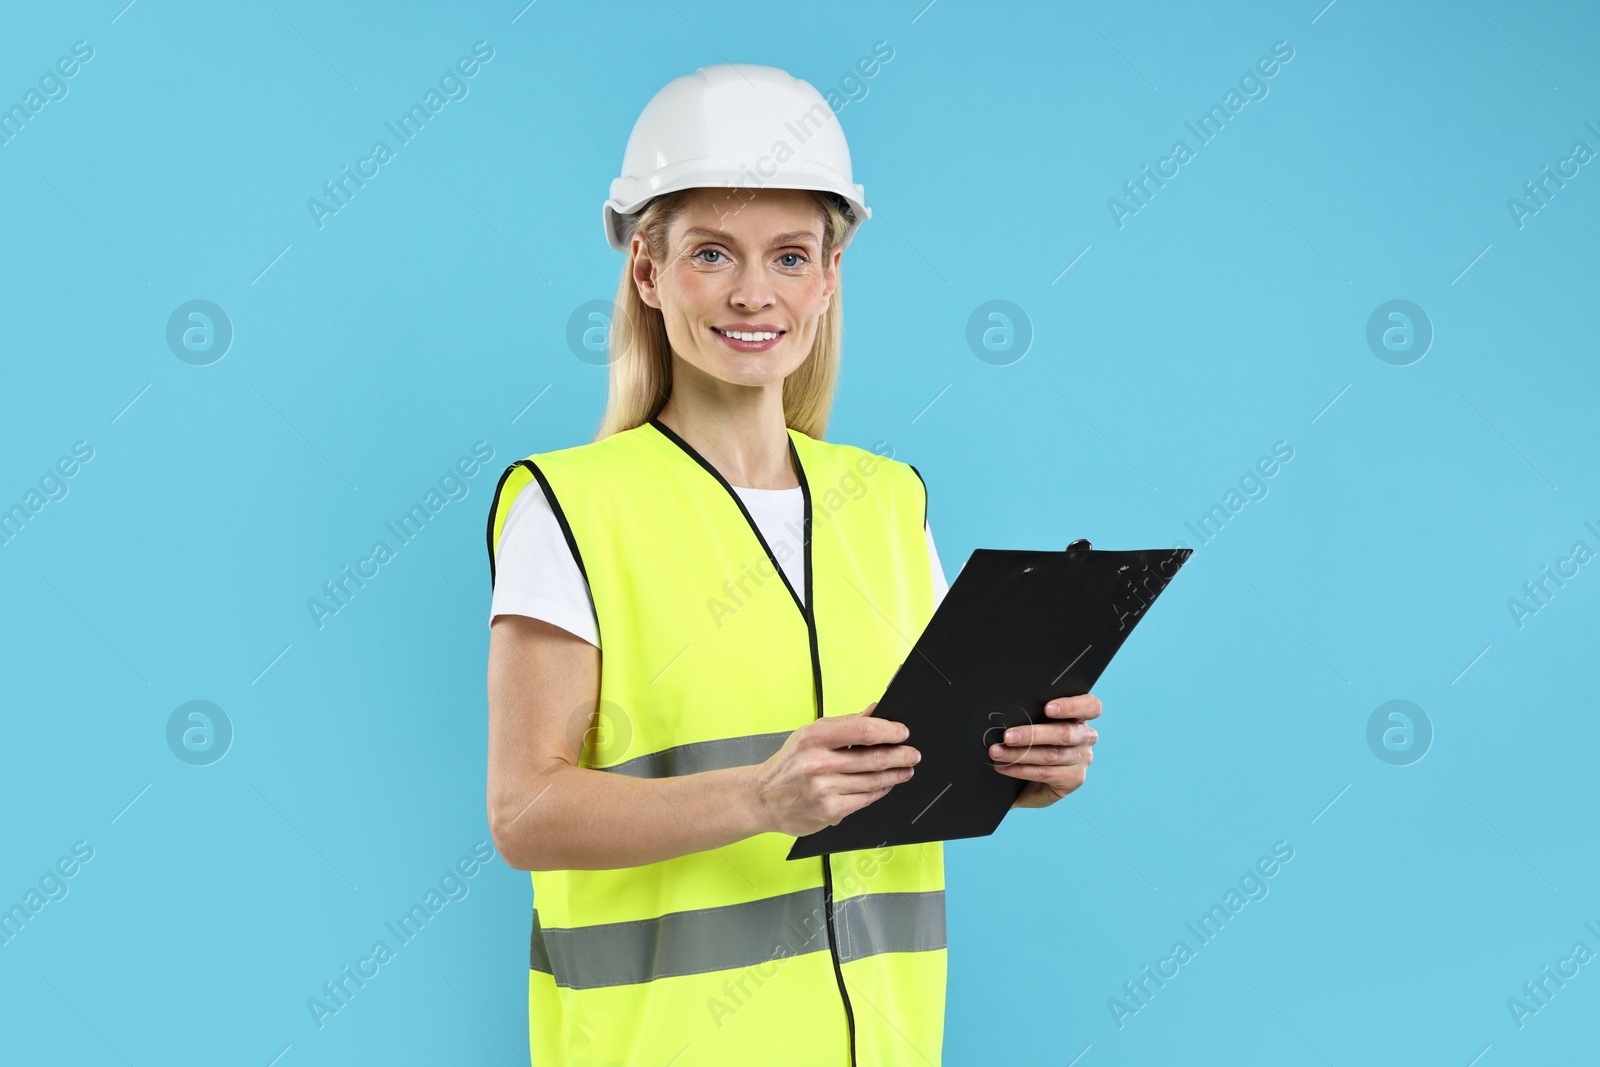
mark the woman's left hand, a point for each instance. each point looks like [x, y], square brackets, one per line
[1054, 757]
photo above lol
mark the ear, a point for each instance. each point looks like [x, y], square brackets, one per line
[644, 272]
[832, 260]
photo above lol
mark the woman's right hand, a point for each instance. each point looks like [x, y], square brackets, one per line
[816, 779]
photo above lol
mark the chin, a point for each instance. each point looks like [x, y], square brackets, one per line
[755, 368]
[753, 379]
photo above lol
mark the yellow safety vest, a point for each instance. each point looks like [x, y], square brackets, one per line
[736, 955]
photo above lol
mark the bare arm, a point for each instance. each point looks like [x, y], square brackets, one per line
[547, 813]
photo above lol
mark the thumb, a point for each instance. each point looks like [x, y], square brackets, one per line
[869, 707]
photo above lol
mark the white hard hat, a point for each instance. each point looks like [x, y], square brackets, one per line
[732, 126]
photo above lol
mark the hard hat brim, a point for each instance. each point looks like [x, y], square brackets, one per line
[630, 197]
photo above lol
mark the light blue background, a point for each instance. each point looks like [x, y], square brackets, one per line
[1228, 314]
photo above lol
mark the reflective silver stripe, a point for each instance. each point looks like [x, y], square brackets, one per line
[538, 957]
[736, 935]
[890, 922]
[699, 756]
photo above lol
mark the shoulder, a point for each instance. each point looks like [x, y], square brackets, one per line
[853, 470]
[591, 460]
[868, 463]
[592, 452]
[557, 465]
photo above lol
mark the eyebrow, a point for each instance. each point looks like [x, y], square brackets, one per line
[793, 237]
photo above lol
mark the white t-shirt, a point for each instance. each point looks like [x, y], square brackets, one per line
[536, 575]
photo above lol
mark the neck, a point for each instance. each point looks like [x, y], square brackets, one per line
[739, 429]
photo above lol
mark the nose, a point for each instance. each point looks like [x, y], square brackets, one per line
[752, 290]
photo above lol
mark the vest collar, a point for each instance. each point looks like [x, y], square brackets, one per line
[805, 494]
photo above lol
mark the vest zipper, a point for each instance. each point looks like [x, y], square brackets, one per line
[816, 683]
[816, 673]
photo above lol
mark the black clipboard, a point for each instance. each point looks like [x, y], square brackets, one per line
[1016, 629]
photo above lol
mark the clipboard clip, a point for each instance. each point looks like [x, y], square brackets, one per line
[1081, 542]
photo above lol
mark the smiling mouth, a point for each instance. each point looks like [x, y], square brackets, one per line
[747, 335]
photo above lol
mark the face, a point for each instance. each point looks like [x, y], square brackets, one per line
[756, 271]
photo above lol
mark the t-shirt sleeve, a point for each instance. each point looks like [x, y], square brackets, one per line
[535, 572]
[940, 587]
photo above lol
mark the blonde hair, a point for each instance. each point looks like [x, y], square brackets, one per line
[641, 357]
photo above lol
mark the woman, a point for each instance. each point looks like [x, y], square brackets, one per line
[756, 587]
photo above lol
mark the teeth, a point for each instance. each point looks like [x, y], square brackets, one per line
[738, 336]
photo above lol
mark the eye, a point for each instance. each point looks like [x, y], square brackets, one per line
[794, 255]
[708, 252]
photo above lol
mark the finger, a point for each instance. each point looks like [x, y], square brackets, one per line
[1086, 706]
[1052, 733]
[868, 782]
[1072, 777]
[861, 800]
[839, 731]
[1043, 755]
[866, 759]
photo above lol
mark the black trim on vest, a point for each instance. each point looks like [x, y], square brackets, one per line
[800, 473]
[924, 482]
[561, 519]
[806, 612]
[494, 509]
